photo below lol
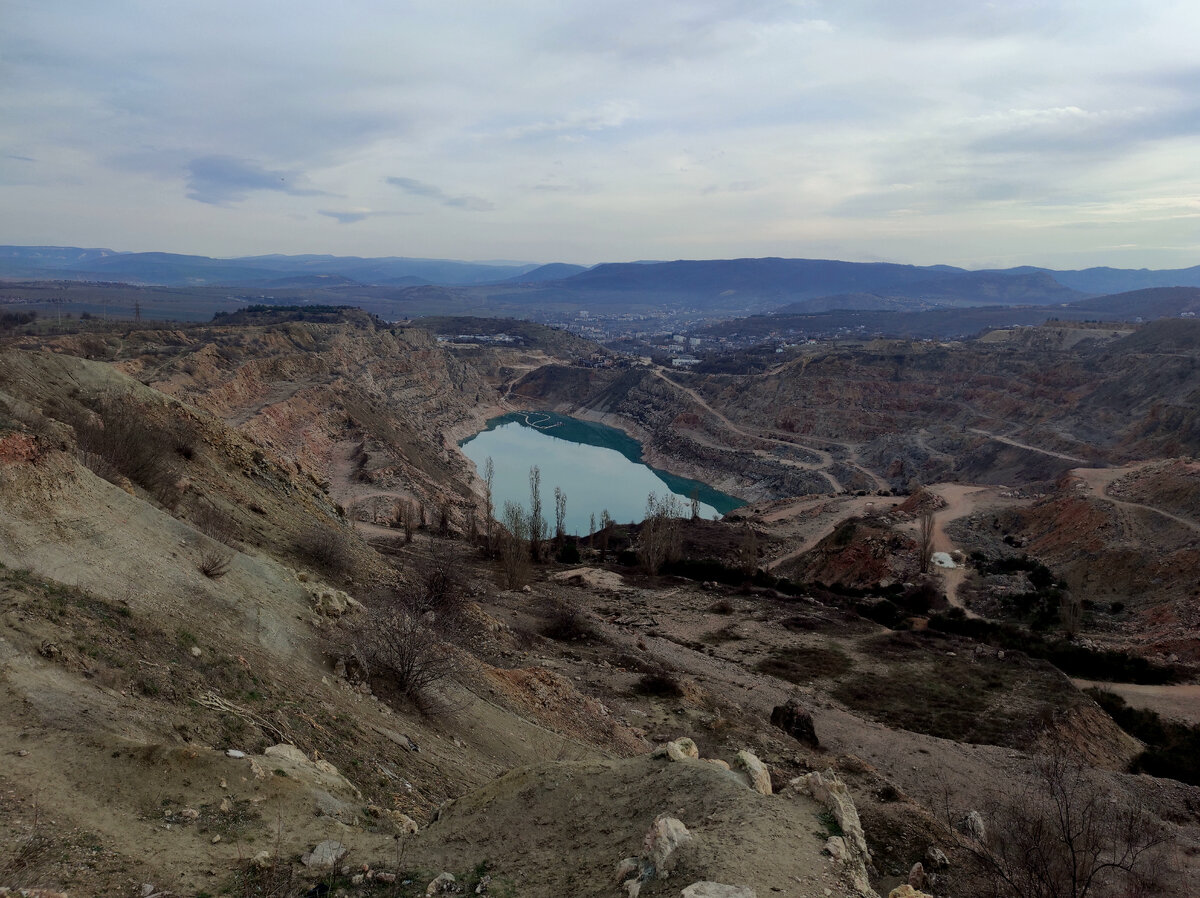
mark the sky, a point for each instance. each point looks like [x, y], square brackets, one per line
[1062, 134]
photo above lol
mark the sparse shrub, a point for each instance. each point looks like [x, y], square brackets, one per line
[566, 623]
[216, 524]
[328, 547]
[214, 562]
[397, 647]
[122, 437]
[1063, 836]
[439, 593]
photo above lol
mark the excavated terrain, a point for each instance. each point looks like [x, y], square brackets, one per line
[200, 552]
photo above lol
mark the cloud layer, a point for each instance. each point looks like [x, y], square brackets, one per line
[979, 133]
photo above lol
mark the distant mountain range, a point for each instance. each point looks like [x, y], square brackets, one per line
[175, 270]
[721, 287]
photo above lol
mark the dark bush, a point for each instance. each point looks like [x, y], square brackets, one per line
[1071, 658]
[566, 623]
[1172, 749]
[661, 683]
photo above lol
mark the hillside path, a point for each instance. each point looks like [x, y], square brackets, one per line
[1011, 442]
[1098, 481]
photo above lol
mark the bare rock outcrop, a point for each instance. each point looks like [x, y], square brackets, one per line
[829, 789]
[756, 771]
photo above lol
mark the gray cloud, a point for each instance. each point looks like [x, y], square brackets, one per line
[429, 191]
[218, 180]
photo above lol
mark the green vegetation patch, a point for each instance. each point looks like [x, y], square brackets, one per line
[802, 663]
[950, 696]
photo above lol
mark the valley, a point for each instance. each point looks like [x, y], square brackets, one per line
[251, 603]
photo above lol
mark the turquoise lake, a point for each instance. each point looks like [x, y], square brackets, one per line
[598, 467]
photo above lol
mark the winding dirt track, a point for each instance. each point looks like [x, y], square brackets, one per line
[1099, 480]
[826, 461]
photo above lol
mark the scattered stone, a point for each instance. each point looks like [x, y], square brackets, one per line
[683, 749]
[385, 877]
[936, 858]
[215, 839]
[716, 890]
[907, 891]
[717, 762]
[795, 720]
[974, 827]
[666, 836]
[916, 876]
[234, 753]
[482, 888]
[835, 847]
[196, 651]
[189, 814]
[325, 854]
[626, 868]
[262, 860]
[756, 771]
[441, 884]
[333, 602]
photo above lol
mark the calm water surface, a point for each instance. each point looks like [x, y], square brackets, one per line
[598, 467]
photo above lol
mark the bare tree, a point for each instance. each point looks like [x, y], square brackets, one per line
[560, 516]
[1070, 613]
[514, 547]
[591, 530]
[926, 539]
[606, 528]
[747, 552]
[489, 507]
[536, 522]
[1063, 836]
[694, 501]
[659, 540]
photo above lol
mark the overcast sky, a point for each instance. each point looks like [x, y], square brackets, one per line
[1064, 134]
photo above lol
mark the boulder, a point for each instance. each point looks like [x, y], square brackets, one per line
[907, 891]
[835, 847]
[795, 720]
[974, 827]
[916, 876]
[936, 858]
[665, 837]
[682, 749]
[324, 854]
[716, 890]
[756, 771]
[441, 884]
[287, 753]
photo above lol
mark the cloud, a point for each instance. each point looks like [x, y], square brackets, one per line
[429, 191]
[344, 217]
[219, 180]
[612, 114]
